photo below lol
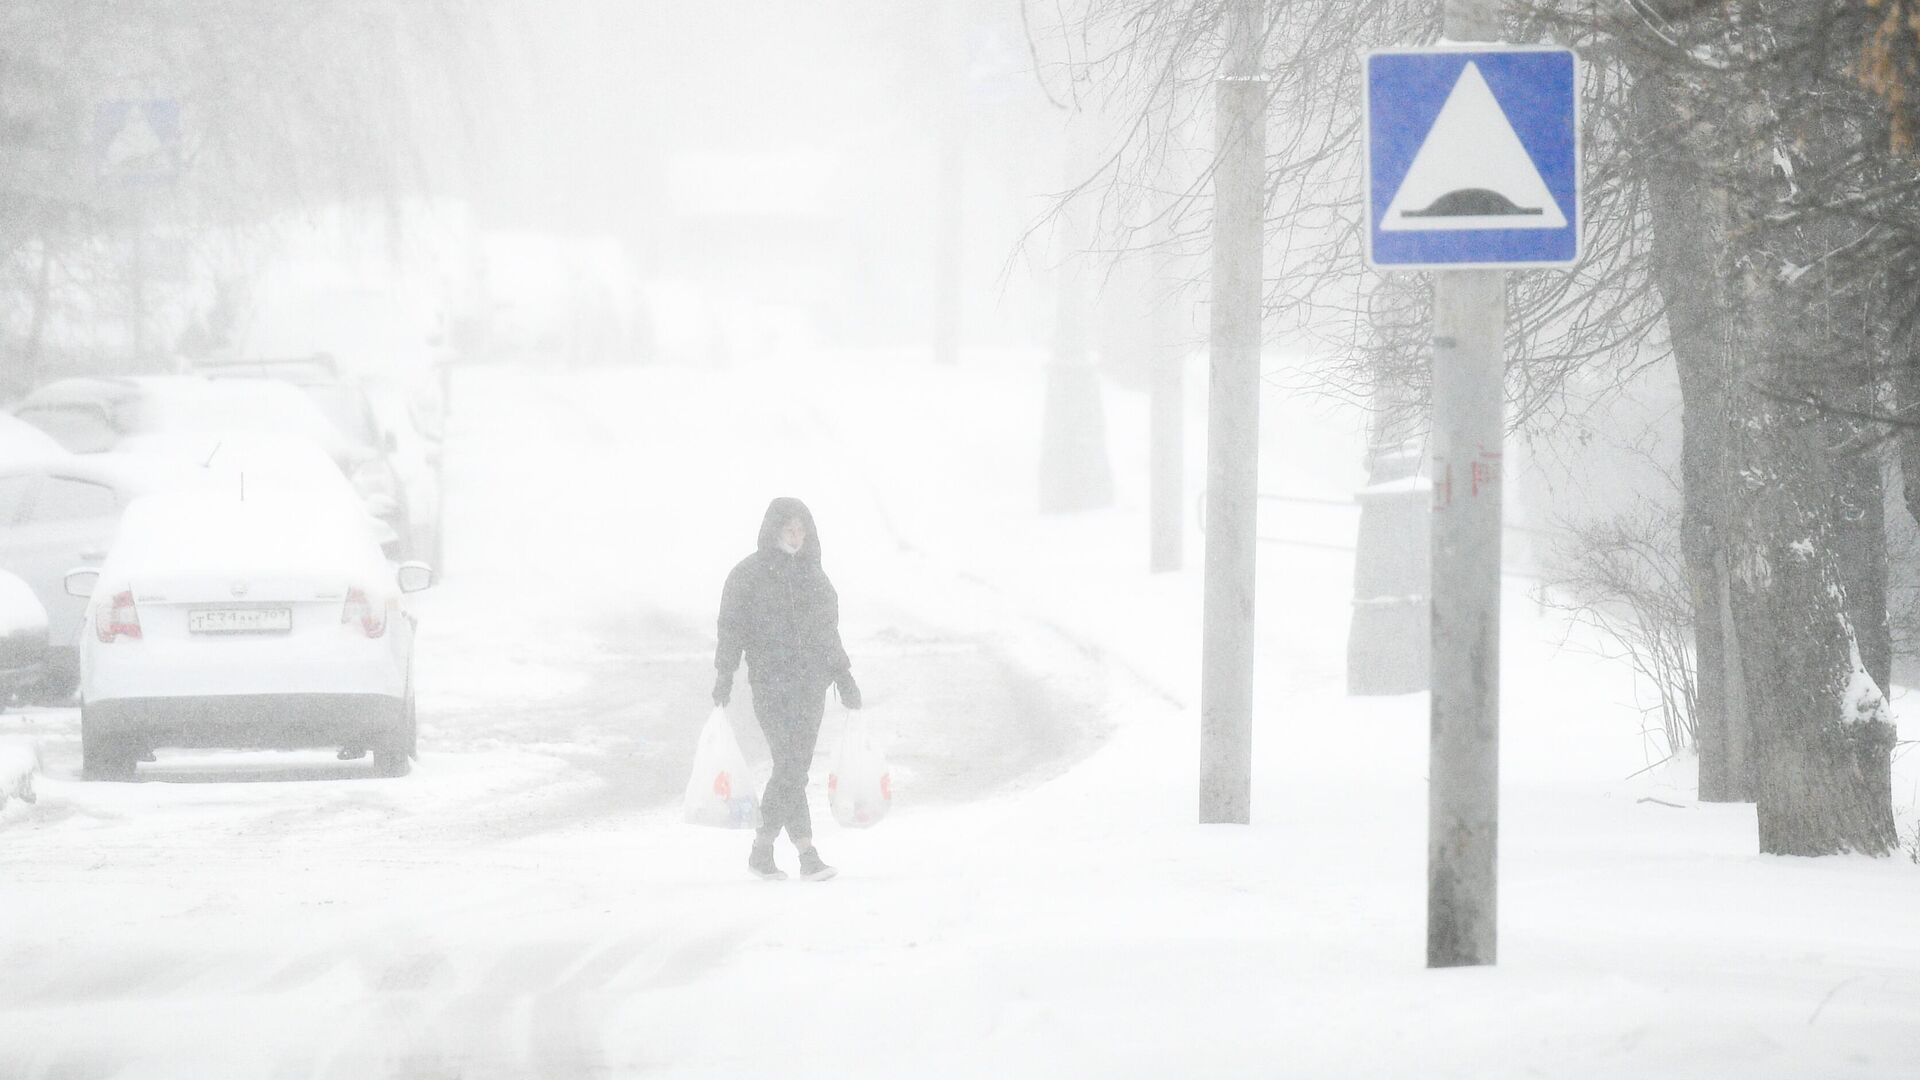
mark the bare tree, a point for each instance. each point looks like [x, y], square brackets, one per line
[1743, 218]
[267, 108]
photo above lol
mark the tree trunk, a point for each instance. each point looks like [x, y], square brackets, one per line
[1807, 547]
[1765, 484]
[1823, 739]
[1906, 390]
[1690, 230]
[37, 324]
[1828, 791]
[1860, 495]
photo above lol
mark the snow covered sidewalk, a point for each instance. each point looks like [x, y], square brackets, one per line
[1075, 923]
[1087, 927]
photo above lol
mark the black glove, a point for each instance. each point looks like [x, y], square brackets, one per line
[723, 689]
[849, 690]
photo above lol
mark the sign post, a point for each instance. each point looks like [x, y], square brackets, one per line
[1472, 168]
[137, 146]
[1233, 426]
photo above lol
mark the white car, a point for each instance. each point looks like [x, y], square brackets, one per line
[290, 466]
[59, 512]
[148, 413]
[263, 621]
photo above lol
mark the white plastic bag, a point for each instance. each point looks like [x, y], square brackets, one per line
[720, 791]
[859, 786]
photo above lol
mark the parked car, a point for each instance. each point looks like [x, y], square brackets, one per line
[83, 415]
[257, 622]
[60, 511]
[90, 415]
[23, 640]
[418, 455]
[21, 441]
[253, 462]
[381, 470]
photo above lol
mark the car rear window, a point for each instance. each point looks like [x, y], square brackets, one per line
[82, 429]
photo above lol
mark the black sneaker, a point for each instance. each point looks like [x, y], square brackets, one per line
[761, 863]
[812, 868]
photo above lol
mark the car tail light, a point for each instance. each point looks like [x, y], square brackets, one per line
[358, 609]
[121, 619]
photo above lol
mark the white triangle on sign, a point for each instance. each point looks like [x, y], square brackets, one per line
[1472, 171]
[135, 143]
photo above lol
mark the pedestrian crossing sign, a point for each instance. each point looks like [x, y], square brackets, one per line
[1472, 158]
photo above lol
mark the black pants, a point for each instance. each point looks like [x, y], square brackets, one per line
[790, 717]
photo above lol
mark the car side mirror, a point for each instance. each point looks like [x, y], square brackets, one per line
[415, 576]
[81, 582]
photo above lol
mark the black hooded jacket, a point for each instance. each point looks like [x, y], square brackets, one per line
[781, 612]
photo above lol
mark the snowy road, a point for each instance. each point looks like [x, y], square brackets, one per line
[292, 915]
[1040, 903]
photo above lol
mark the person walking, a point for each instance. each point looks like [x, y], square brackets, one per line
[779, 611]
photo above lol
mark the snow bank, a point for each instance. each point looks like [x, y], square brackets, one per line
[20, 609]
[19, 761]
[1861, 702]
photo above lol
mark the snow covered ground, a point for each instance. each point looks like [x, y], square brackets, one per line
[1040, 902]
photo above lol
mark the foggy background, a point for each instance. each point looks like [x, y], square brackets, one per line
[617, 272]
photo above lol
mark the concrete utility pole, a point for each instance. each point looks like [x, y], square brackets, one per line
[947, 253]
[1233, 424]
[1167, 405]
[949, 189]
[137, 273]
[1469, 328]
[1075, 473]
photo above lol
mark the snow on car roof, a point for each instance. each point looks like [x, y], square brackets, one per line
[277, 460]
[83, 389]
[258, 464]
[22, 442]
[153, 404]
[203, 405]
[135, 473]
[211, 532]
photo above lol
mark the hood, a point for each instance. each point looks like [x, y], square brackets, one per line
[778, 511]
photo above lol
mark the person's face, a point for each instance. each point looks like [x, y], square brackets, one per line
[792, 535]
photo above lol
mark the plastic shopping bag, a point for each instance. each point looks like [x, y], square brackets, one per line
[720, 791]
[859, 787]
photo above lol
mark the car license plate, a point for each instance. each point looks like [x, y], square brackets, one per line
[240, 620]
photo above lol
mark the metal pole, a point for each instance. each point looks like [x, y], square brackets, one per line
[950, 197]
[1233, 427]
[1166, 435]
[1469, 328]
[947, 243]
[139, 305]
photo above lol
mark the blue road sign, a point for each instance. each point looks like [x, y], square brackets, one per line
[137, 142]
[1473, 158]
